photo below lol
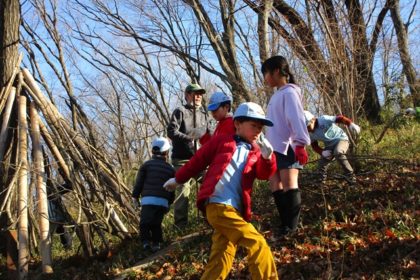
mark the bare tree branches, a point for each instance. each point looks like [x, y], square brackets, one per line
[408, 67]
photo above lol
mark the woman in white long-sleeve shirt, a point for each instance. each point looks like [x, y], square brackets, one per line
[288, 137]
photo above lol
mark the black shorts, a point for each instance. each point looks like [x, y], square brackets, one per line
[287, 161]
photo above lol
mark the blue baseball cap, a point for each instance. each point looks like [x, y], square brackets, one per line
[216, 99]
[252, 110]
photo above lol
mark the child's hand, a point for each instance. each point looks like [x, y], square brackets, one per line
[301, 155]
[135, 201]
[171, 185]
[354, 127]
[326, 154]
[265, 147]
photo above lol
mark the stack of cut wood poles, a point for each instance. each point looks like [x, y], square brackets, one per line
[39, 152]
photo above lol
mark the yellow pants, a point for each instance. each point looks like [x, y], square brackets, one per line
[231, 230]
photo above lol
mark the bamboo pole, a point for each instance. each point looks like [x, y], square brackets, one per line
[41, 191]
[54, 149]
[5, 122]
[5, 90]
[23, 255]
[13, 162]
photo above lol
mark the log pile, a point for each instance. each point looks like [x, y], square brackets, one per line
[39, 153]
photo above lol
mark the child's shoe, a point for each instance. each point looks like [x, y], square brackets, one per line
[155, 247]
[146, 246]
[283, 232]
[351, 179]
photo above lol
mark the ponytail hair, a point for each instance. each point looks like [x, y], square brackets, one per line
[280, 63]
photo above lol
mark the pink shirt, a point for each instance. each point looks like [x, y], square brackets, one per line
[286, 111]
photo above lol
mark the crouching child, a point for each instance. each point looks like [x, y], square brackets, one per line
[155, 200]
[234, 162]
[335, 140]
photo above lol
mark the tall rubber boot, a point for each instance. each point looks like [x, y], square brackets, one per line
[279, 200]
[293, 202]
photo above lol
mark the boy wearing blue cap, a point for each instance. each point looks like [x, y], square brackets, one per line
[220, 106]
[234, 162]
[155, 200]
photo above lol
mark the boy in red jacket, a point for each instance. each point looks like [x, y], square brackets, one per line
[234, 161]
[220, 106]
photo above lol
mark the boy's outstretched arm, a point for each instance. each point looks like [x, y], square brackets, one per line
[201, 159]
[347, 121]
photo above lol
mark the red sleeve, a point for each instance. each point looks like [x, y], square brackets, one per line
[225, 126]
[199, 161]
[343, 119]
[316, 147]
[266, 167]
[205, 138]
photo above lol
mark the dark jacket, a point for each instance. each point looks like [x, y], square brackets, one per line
[151, 177]
[182, 122]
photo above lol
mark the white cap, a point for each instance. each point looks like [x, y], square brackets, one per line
[308, 117]
[410, 111]
[253, 111]
[216, 99]
[162, 143]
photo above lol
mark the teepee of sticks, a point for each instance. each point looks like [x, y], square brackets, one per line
[40, 153]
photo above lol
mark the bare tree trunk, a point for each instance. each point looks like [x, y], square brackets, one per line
[9, 41]
[263, 29]
[41, 190]
[366, 87]
[23, 192]
[9, 38]
[408, 67]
